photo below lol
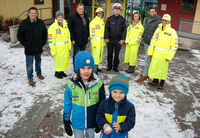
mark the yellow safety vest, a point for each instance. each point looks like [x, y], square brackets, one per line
[97, 41]
[60, 44]
[133, 39]
[164, 44]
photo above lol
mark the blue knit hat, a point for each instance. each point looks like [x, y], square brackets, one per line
[83, 58]
[119, 82]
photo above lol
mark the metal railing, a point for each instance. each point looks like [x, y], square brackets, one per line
[39, 11]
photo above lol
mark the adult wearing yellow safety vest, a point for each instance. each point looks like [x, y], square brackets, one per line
[162, 49]
[133, 39]
[97, 41]
[60, 44]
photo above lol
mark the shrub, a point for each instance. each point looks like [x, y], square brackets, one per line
[9, 22]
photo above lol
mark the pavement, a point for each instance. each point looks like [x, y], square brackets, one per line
[42, 121]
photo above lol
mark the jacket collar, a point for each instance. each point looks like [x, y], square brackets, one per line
[98, 18]
[29, 20]
[164, 28]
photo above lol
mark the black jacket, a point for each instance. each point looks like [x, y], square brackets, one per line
[32, 36]
[79, 33]
[150, 29]
[115, 28]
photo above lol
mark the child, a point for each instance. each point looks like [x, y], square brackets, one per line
[116, 115]
[82, 97]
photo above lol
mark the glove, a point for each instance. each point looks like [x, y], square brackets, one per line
[68, 128]
[97, 129]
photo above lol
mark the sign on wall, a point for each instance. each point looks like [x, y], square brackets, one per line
[163, 7]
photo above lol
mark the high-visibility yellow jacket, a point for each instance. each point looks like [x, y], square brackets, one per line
[60, 44]
[163, 46]
[133, 39]
[97, 41]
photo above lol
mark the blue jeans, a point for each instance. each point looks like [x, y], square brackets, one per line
[147, 60]
[78, 48]
[79, 133]
[29, 65]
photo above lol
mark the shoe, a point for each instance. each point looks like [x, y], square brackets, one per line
[57, 75]
[109, 69]
[31, 82]
[155, 82]
[161, 85]
[131, 69]
[99, 70]
[143, 78]
[160, 89]
[116, 70]
[63, 74]
[41, 77]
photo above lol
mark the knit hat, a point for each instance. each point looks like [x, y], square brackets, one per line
[59, 13]
[119, 82]
[83, 58]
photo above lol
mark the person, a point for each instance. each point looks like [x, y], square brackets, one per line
[97, 27]
[116, 114]
[32, 34]
[115, 33]
[79, 29]
[82, 97]
[133, 39]
[60, 44]
[163, 47]
[152, 25]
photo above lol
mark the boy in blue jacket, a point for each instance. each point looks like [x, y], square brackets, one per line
[82, 97]
[116, 115]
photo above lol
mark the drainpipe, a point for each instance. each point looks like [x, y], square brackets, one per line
[62, 7]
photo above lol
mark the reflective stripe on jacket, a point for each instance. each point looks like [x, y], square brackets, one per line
[97, 41]
[60, 44]
[163, 46]
[133, 39]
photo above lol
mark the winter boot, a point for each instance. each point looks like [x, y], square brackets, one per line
[155, 82]
[63, 74]
[41, 77]
[142, 78]
[131, 69]
[161, 85]
[31, 82]
[57, 75]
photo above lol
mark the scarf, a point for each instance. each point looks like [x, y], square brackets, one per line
[83, 19]
[134, 23]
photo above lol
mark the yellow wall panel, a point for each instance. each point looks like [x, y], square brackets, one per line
[196, 26]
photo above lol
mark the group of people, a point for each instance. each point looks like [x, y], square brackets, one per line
[85, 106]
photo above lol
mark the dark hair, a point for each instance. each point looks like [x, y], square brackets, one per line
[78, 76]
[79, 4]
[153, 8]
[33, 8]
[132, 19]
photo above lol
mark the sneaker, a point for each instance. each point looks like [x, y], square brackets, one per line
[63, 74]
[57, 75]
[99, 70]
[31, 82]
[109, 69]
[41, 77]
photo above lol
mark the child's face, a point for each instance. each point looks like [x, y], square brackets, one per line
[117, 95]
[85, 72]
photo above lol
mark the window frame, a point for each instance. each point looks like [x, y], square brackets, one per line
[38, 2]
[186, 11]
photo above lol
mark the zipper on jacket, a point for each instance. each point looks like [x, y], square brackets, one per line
[85, 105]
[89, 98]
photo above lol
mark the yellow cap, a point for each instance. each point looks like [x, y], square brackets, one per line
[98, 10]
[117, 5]
[166, 17]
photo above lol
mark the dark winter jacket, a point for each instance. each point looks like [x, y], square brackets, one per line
[115, 28]
[32, 36]
[124, 114]
[79, 33]
[150, 29]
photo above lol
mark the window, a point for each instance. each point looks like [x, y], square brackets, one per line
[39, 1]
[188, 6]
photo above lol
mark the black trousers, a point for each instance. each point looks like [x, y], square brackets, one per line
[113, 45]
[78, 48]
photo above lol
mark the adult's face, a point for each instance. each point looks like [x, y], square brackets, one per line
[100, 14]
[116, 11]
[136, 17]
[80, 9]
[59, 19]
[165, 22]
[33, 14]
[152, 12]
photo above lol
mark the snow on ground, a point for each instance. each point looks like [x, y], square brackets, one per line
[154, 112]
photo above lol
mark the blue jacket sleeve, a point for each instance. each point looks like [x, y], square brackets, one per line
[129, 123]
[100, 118]
[67, 104]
